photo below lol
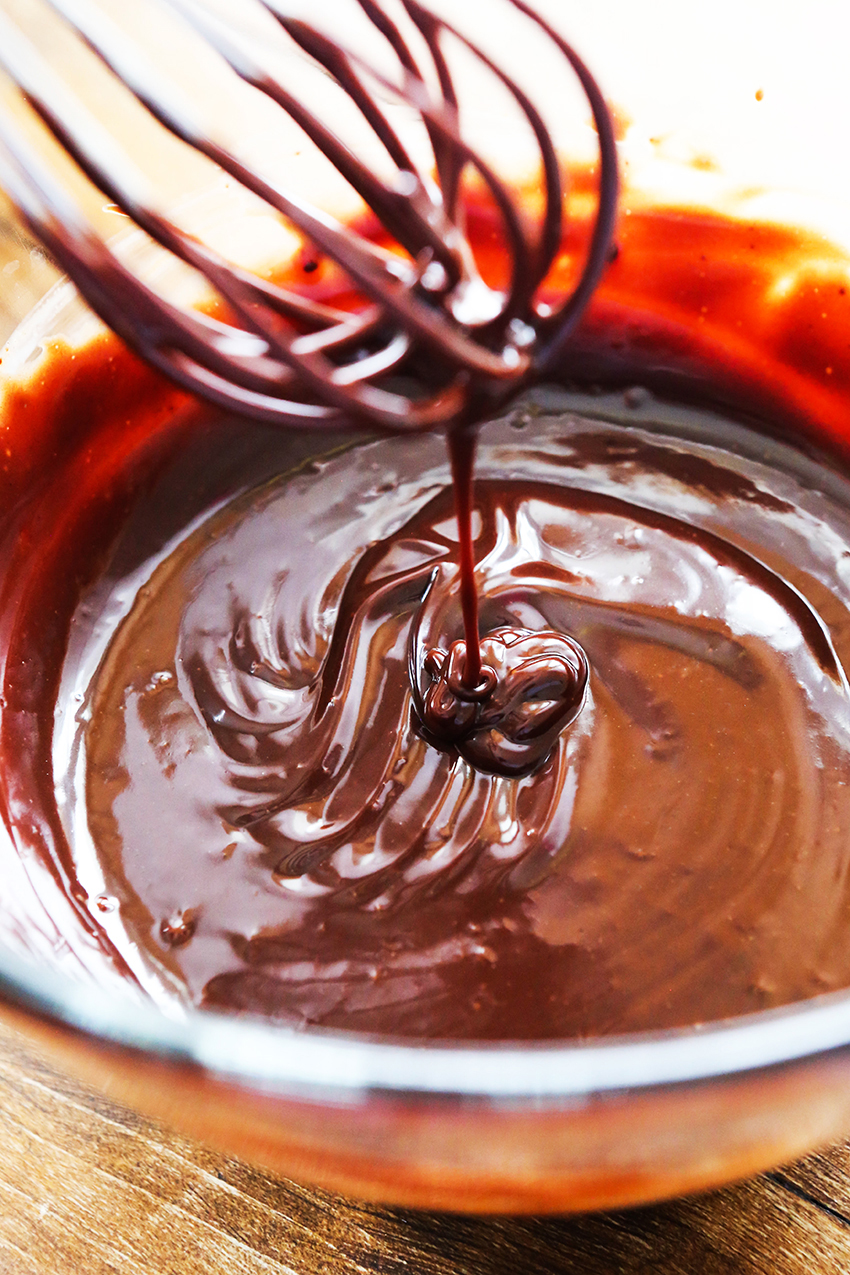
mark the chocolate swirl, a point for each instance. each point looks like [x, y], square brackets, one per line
[532, 687]
[256, 758]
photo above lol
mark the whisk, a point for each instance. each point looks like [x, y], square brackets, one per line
[275, 354]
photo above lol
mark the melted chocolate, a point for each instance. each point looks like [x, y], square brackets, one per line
[253, 778]
[218, 775]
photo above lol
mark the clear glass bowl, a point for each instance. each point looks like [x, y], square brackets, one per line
[745, 126]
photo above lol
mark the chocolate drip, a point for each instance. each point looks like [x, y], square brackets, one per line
[461, 443]
[502, 702]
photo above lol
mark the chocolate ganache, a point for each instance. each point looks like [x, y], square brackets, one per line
[280, 835]
[238, 722]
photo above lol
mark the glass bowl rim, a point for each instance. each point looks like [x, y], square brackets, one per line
[346, 1067]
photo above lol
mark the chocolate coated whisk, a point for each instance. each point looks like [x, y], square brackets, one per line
[279, 356]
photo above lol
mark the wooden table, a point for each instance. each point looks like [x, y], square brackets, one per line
[87, 1188]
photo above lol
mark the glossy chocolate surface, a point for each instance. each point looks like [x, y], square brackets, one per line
[279, 834]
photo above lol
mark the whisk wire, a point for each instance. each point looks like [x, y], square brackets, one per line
[275, 353]
[381, 276]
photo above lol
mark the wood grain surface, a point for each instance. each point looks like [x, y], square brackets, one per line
[87, 1188]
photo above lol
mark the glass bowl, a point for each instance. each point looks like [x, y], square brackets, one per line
[744, 128]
